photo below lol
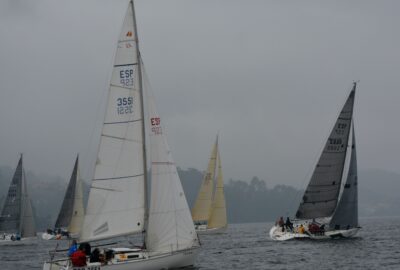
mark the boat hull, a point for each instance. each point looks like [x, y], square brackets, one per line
[47, 236]
[276, 234]
[178, 259]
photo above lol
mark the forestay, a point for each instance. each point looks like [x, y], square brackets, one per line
[321, 195]
[346, 214]
[116, 204]
[218, 213]
[202, 208]
[170, 226]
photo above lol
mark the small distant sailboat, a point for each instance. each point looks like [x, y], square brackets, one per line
[17, 221]
[118, 204]
[70, 217]
[321, 215]
[209, 211]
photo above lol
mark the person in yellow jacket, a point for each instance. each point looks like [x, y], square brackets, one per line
[301, 229]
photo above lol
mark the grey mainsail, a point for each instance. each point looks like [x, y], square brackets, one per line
[321, 196]
[11, 214]
[17, 214]
[346, 214]
[65, 214]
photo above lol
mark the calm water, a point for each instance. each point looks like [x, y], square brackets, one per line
[246, 246]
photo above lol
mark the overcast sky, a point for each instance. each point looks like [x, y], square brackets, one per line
[269, 76]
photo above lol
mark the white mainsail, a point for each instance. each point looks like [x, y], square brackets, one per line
[202, 208]
[218, 214]
[170, 223]
[116, 204]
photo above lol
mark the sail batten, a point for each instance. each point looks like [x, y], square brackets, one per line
[321, 196]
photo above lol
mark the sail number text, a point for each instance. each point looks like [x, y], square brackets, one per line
[155, 125]
[125, 105]
[126, 77]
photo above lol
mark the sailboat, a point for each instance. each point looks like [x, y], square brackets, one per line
[17, 220]
[70, 217]
[323, 213]
[209, 210]
[117, 204]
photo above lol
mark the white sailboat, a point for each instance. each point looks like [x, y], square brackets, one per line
[117, 204]
[70, 217]
[17, 222]
[321, 213]
[209, 210]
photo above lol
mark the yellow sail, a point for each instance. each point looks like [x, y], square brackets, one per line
[202, 207]
[78, 211]
[218, 212]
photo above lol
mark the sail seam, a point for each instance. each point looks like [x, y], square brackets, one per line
[122, 122]
[121, 177]
[124, 65]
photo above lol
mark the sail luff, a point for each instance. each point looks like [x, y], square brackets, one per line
[218, 214]
[321, 196]
[140, 82]
[202, 208]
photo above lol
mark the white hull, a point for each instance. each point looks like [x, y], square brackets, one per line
[47, 236]
[276, 234]
[178, 259]
[202, 231]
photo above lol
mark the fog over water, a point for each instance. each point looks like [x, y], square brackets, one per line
[269, 76]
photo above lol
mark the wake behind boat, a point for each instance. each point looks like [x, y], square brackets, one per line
[17, 221]
[117, 204]
[70, 217]
[209, 210]
[321, 215]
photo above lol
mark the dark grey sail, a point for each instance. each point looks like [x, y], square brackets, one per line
[346, 214]
[321, 196]
[65, 214]
[10, 218]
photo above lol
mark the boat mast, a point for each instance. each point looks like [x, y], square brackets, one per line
[139, 65]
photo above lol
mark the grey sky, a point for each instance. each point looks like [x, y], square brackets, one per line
[270, 76]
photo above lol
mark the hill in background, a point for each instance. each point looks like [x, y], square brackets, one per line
[250, 201]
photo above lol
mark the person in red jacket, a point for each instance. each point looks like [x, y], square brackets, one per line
[78, 258]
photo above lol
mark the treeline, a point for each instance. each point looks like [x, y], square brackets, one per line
[251, 201]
